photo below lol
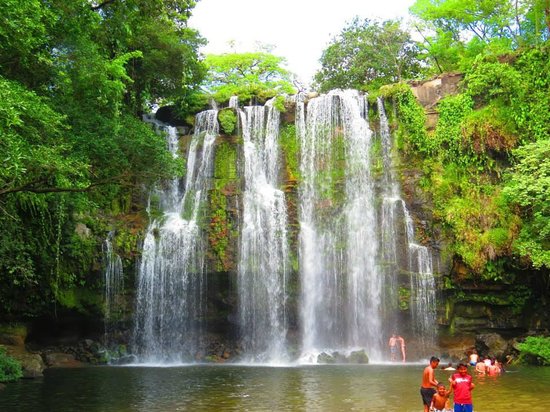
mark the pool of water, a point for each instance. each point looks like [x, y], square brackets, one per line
[240, 388]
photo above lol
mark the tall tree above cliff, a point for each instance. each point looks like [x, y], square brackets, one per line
[258, 75]
[367, 53]
[456, 31]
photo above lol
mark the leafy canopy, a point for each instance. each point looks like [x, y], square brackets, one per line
[456, 31]
[255, 75]
[367, 53]
[75, 75]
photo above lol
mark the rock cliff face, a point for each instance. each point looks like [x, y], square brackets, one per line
[466, 307]
[472, 312]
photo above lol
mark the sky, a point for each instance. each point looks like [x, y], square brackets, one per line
[299, 29]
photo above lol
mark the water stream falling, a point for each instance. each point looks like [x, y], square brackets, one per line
[114, 288]
[170, 295]
[356, 242]
[263, 263]
[341, 286]
[397, 228]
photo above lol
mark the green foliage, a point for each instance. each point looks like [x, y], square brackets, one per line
[228, 120]
[529, 188]
[74, 78]
[290, 147]
[219, 230]
[82, 300]
[24, 36]
[225, 165]
[447, 138]
[456, 32]
[517, 88]
[412, 120]
[515, 297]
[535, 349]
[249, 76]
[404, 298]
[488, 25]
[10, 369]
[367, 54]
[33, 148]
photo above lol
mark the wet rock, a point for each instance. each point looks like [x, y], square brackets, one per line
[430, 92]
[324, 357]
[32, 365]
[61, 360]
[359, 356]
[492, 344]
[13, 334]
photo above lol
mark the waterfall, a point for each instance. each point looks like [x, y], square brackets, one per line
[397, 226]
[170, 293]
[233, 102]
[263, 262]
[341, 286]
[114, 287]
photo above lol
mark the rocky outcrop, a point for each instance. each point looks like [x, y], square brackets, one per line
[430, 92]
[492, 345]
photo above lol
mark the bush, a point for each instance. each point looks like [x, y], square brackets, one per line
[10, 369]
[228, 120]
[535, 349]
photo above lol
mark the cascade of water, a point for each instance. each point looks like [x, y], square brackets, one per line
[341, 287]
[395, 220]
[233, 102]
[170, 289]
[263, 263]
[114, 286]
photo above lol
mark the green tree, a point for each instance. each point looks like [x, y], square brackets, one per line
[25, 33]
[529, 188]
[368, 54]
[456, 31]
[74, 75]
[169, 64]
[257, 75]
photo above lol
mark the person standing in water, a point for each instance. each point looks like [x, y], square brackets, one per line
[474, 358]
[397, 344]
[462, 386]
[427, 390]
[441, 401]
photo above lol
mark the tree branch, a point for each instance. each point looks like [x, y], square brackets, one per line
[34, 187]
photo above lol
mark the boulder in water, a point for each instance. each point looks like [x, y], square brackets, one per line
[324, 357]
[359, 356]
[492, 344]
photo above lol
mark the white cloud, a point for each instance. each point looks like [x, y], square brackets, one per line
[299, 29]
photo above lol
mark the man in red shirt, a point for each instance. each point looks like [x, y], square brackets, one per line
[462, 387]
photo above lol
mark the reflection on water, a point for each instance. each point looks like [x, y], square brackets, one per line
[237, 388]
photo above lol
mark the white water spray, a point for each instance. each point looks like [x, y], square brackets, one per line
[170, 302]
[263, 263]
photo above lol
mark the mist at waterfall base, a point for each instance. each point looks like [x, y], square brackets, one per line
[354, 247]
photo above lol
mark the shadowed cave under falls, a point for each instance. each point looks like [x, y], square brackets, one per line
[358, 274]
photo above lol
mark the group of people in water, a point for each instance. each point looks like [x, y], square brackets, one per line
[488, 366]
[436, 395]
